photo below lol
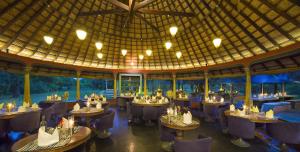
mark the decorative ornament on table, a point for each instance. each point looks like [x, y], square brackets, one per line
[270, 114]
[76, 107]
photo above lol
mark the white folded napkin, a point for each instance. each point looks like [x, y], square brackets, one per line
[21, 109]
[76, 107]
[104, 99]
[26, 104]
[270, 114]
[59, 98]
[166, 100]
[232, 108]
[46, 139]
[85, 97]
[65, 123]
[187, 118]
[99, 105]
[35, 106]
[222, 100]
[1, 105]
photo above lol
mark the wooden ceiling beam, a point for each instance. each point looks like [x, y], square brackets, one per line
[170, 13]
[24, 27]
[148, 22]
[282, 13]
[250, 35]
[296, 2]
[269, 21]
[9, 6]
[143, 4]
[102, 12]
[119, 4]
[295, 61]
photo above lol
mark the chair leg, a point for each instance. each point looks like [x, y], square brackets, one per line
[240, 142]
[167, 146]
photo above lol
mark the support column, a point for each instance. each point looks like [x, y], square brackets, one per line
[206, 85]
[248, 101]
[78, 85]
[174, 85]
[27, 98]
[115, 85]
[145, 84]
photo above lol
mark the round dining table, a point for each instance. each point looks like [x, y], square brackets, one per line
[10, 115]
[252, 117]
[77, 139]
[178, 125]
[87, 114]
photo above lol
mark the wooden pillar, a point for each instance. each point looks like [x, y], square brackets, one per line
[206, 85]
[115, 85]
[174, 85]
[27, 98]
[78, 85]
[145, 84]
[248, 88]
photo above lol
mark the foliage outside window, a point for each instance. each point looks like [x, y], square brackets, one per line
[11, 87]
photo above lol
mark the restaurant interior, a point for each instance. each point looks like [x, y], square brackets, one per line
[150, 75]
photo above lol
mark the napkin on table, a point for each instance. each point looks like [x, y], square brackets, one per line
[232, 108]
[46, 139]
[76, 107]
[270, 114]
[187, 118]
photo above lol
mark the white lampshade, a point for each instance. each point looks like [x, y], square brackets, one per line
[168, 45]
[149, 52]
[141, 56]
[99, 45]
[173, 30]
[99, 55]
[217, 42]
[81, 34]
[48, 39]
[124, 52]
[178, 54]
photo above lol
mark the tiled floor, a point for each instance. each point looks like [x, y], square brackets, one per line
[139, 138]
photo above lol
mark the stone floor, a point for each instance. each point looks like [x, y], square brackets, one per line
[140, 138]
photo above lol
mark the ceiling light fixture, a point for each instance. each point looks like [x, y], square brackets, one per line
[99, 55]
[141, 56]
[48, 39]
[81, 34]
[173, 30]
[217, 42]
[168, 45]
[149, 52]
[124, 52]
[178, 54]
[98, 45]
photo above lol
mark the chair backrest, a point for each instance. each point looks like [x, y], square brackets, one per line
[197, 145]
[27, 122]
[60, 108]
[285, 132]
[166, 134]
[106, 121]
[150, 113]
[241, 127]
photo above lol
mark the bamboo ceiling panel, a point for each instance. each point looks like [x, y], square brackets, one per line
[247, 28]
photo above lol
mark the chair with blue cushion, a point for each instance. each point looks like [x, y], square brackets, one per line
[241, 128]
[202, 144]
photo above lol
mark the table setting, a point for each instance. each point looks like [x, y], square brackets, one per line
[150, 101]
[9, 110]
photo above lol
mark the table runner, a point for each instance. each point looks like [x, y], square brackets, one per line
[33, 146]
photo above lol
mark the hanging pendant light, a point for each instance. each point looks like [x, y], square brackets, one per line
[141, 56]
[99, 55]
[178, 54]
[168, 45]
[217, 42]
[149, 52]
[124, 52]
[81, 34]
[48, 39]
[98, 45]
[173, 30]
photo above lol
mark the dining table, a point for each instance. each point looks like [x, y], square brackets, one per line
[252, 117]
[176, 123]
[88, 114]
[80, 137]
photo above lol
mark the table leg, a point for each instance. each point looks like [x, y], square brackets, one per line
[179, 134]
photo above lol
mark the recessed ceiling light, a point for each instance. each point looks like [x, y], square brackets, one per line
[48, 39]
[141, 56]
[124, 52]
[81, 34]
[217, 42]
[98, 45]
[149, 52]
[168, 45]
[173, 30]
[99, 55]
[178, 54]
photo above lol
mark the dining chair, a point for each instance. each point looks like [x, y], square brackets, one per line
[285, 132]
[149, 114]
[201, 144]
[167, 137]
[102, 125]
[27, 122]
[222, 118]
[241, 128]
[121, 102]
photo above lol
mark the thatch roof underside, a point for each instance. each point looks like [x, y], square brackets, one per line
[247, 28]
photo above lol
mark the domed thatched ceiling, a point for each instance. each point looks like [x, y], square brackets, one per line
[247, 28]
